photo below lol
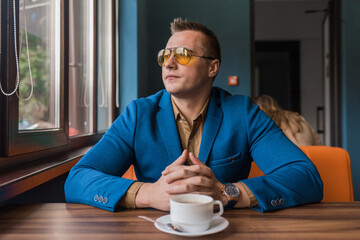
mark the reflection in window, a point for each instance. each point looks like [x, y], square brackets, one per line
[39, 47]
[104, 65]
[81, 58]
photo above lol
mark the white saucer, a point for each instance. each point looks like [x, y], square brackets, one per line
[217, 224]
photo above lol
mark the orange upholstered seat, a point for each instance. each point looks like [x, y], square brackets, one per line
[333, 164]
[130, 173]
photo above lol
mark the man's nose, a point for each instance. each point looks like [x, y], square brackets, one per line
[171, 62]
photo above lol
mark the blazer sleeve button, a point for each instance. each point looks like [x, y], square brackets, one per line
[96, 198]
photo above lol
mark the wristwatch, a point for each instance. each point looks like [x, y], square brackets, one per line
[232, 194]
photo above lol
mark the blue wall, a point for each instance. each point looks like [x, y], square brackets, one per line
[128, 52]
[350, 54]
[146, 24]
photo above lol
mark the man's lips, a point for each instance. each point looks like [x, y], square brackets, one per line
[171, 76]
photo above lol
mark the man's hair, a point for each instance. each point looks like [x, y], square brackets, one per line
[213, 46]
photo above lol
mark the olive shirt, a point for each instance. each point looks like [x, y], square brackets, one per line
[190, 139]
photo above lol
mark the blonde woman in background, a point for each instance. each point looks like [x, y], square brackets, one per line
[294, 126]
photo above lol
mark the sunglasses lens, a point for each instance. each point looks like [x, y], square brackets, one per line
[182, 56]
[166, 55]
[160, 57]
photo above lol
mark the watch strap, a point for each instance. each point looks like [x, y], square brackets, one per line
[231, 204]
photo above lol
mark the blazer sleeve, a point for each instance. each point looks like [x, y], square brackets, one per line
[291, 179]
[96, 179]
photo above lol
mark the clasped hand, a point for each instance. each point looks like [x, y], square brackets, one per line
[178, 178]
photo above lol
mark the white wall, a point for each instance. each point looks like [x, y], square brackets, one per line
[279, 20]
[311, 88]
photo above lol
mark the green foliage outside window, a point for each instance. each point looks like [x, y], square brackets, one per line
[36, 108]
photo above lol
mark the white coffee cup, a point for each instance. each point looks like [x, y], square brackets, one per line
[193, 212]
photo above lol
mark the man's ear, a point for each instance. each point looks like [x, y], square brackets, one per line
[214, 68]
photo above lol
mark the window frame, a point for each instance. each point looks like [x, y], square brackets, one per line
[18, 148]
[29, 141]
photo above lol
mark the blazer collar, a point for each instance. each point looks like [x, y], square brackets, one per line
[212, 125]
[167, 125]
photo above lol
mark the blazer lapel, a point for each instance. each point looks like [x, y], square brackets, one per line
[167, 126]
[212, 125]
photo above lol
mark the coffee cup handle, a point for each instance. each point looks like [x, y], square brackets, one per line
[221, 211]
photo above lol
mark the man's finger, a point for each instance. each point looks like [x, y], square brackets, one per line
[194, 184]
[199, 167]
[194, 159]
[175, 175]
[180, 161]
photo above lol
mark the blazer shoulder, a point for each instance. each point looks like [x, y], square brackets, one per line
[227, 98]
[159, 98]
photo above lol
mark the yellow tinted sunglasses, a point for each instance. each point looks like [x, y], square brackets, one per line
[182, 55]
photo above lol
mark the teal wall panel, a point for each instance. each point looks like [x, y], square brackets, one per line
[350, 60]
[128, 52]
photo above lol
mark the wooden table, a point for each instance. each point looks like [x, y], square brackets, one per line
[74, 221]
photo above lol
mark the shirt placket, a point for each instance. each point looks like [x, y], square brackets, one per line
[191, 144]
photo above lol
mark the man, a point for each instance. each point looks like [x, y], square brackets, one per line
[193, 138]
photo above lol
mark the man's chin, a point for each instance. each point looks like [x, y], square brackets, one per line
[172, 90]
[175, 93]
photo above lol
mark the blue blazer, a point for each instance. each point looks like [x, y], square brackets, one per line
[236, 132]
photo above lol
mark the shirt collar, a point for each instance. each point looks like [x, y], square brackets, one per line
[178, 115]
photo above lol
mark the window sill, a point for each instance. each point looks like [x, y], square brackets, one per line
[19, 179]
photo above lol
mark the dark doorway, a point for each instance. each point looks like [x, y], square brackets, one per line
[277, 72]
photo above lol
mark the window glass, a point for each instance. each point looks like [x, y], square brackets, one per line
[104, 65]
[39, 64]
[81, 66]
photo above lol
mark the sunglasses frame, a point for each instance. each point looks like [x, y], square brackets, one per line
[173, 50]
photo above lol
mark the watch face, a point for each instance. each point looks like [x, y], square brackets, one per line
[231, 190]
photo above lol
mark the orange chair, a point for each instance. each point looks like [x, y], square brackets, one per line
[333, 164]
[130, 173]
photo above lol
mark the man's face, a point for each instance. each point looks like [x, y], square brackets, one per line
[194, 78]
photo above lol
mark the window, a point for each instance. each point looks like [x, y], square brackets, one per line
[66, 93]
[81, 66]
[39, 64]
[104, 65]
